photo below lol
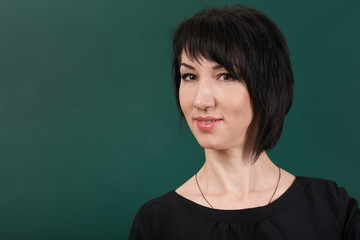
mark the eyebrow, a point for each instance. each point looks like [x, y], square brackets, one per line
[191, 67]
[188, 66]
[217, 67]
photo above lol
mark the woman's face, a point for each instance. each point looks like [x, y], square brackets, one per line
[217, 107]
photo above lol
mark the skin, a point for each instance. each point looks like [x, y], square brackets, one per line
[228, 178]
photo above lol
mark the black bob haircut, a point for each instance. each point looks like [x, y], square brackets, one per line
[252, 48]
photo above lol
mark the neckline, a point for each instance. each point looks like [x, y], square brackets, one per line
[242, 215]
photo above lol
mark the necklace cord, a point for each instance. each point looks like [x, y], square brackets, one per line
[277, 185]
[201, 191]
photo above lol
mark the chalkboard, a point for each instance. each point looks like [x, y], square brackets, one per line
[89, 128]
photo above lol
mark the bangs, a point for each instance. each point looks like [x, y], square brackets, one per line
[210, 38]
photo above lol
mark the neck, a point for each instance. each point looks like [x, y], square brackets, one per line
[232, 172]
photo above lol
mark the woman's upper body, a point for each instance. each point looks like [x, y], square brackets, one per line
[234, 86]
[309, 209]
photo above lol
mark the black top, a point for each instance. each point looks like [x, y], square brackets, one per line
[310, 209]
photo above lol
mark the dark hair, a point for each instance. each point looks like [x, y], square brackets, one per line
[252, 48]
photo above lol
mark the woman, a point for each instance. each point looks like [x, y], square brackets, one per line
[234, 86]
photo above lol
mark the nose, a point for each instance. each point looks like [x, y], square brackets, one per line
[204, 97]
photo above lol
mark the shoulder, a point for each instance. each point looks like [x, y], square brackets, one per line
[319, 192]
[162, 199]
[328, 194]
[150, 215]
[157, 205]
[326, 187]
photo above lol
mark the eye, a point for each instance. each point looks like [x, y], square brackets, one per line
[188, 77]
[226, 77]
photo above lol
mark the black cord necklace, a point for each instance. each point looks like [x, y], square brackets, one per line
[277, 185]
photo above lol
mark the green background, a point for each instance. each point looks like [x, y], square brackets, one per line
[89, 128]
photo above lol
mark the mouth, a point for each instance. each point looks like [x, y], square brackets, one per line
[207, 124]
[207, 118]
[208, 121]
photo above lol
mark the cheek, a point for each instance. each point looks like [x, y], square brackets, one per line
[241, 106]
[181, 98]
[185, 99]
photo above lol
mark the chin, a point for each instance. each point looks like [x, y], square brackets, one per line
[208, 144]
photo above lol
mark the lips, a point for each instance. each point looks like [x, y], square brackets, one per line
[206, 124]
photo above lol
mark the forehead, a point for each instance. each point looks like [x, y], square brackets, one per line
[197, 61]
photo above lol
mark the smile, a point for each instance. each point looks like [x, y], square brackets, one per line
[206, 124]
[209, 121]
